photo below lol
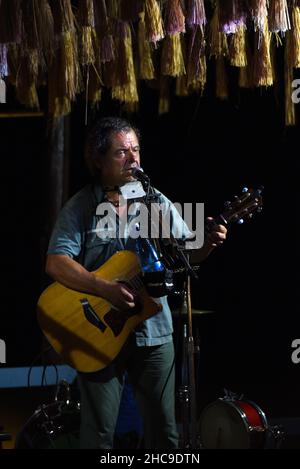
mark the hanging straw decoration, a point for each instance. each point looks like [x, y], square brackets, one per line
[181, 88]
[10, 21]
[237, 48]
[124, 87]
[107, 49]
[262, 66]
[290, 118]
[145, 53]
[259, 14]
[112, 41]
[64, 73]
[103, 30]
[175, 21]
[87, 23]
[94, 84]
[217, 39]
[45, 28]
[279, 20]
[196, 13]
[246, 73]
[196, 68]
[27, 77]
[232, 15]
[164, 95]
[87, 54]
[221, 79]
[38, 33]
[30, 56]
[153, 21]
[113, 9]
[30, 31]
[295, 39]
[172, 62]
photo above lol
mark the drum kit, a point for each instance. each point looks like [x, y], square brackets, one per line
[230, 422]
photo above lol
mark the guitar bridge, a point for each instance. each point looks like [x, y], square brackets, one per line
[91, 315]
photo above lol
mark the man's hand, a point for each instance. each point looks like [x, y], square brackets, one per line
[217, 234]
[216, 237]
[119, 295]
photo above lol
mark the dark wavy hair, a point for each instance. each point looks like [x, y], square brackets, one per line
[99, 140]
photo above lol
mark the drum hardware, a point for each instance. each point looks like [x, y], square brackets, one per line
[195, 312]
[54, 425]
[4, 436]
[63, 392]
[277, 434]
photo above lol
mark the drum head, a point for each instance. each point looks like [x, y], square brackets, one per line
[221, 426]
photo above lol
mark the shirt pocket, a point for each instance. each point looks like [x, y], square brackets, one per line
[98, 250]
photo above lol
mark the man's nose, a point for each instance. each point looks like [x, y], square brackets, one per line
[132, 156]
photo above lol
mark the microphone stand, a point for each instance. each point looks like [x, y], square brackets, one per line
[187, 391]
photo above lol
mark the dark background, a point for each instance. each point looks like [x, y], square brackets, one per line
[204, 150]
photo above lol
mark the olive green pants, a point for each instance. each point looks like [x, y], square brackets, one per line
[152, 376]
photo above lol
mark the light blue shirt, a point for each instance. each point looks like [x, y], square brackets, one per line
[76, 234]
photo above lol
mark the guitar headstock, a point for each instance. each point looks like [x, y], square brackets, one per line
[243, 206]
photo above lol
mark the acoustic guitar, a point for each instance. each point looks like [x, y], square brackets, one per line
[86, 330]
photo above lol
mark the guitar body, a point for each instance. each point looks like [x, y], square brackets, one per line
[84, 329]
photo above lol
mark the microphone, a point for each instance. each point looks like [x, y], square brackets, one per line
[139, 174]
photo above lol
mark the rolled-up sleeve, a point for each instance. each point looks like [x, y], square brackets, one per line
[67, 234]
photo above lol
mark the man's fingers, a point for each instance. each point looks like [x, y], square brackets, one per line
[128, 296]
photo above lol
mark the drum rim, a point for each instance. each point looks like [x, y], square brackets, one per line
[241, 412]
[249, 428]
[260, 411]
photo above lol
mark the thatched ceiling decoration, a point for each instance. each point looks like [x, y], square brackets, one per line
[88, 45]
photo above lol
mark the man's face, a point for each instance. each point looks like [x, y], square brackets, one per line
[123, 155]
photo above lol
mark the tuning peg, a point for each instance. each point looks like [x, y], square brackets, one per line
[245, 189]
[227, 204]
[241, 221]
[259, 209]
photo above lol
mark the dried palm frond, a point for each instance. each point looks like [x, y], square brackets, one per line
[279, 20]
[145, 52]
[153, 21]
[196, 13]
[172, 62]
[237, 48]
[175, 20]
[124, 86]
[262, 65]
[217, 39]
[196, 67]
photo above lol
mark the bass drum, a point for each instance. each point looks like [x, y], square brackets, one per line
[236, 424]
[52, 426]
